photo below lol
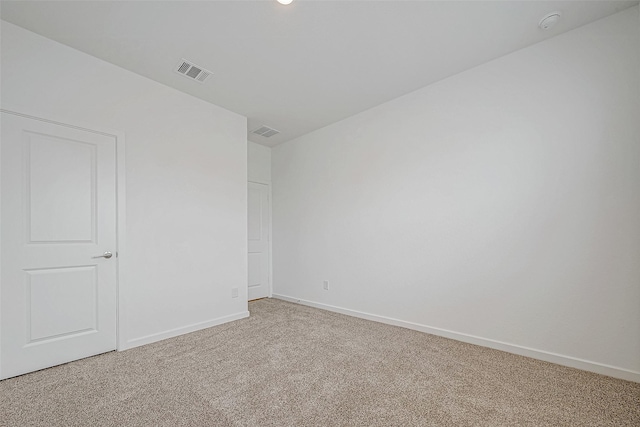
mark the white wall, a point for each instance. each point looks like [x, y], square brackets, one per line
[186, 178]
[258, 163]
[499, 206]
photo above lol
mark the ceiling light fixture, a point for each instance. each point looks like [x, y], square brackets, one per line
[285, 2]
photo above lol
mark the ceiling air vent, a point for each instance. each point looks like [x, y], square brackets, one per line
[192, 71]
[266, 131]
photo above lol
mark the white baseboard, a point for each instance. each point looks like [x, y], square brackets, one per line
[148, 339]
[559, 359]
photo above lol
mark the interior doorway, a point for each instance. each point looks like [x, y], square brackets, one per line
[59, 244]
[258, 227]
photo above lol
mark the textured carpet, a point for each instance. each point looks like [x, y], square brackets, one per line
[291, 365]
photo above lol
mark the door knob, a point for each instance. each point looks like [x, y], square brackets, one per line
[106, 255]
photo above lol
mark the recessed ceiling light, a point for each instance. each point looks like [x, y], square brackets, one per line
[285, 2]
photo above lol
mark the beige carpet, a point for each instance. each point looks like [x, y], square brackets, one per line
[290, 365]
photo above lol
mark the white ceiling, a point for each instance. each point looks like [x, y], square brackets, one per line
[300, 67]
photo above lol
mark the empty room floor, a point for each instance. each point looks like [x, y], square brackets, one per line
[291, 365]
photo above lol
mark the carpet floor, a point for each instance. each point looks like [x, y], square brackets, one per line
[291, 365]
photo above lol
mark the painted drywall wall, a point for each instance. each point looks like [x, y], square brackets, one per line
[258, 163]
[186, 179]
[498, 206]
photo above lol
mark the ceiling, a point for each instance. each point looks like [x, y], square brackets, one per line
[300, 67]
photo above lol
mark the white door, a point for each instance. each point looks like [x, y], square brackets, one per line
[258, 230]
[57, 300]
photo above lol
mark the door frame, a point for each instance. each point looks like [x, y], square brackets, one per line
[121, 336]
[270, 239]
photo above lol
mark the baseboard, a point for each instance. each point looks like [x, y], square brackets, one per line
[559, 359]
[148, 339]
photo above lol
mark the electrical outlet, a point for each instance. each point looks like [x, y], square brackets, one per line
[234, 292]
[325, 285]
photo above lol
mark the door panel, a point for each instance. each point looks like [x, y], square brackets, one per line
[71, 291]
[57, 302]
[59, 209]
[258, 232]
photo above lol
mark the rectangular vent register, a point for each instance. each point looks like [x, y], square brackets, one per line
[192, 71]
[266, 131]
